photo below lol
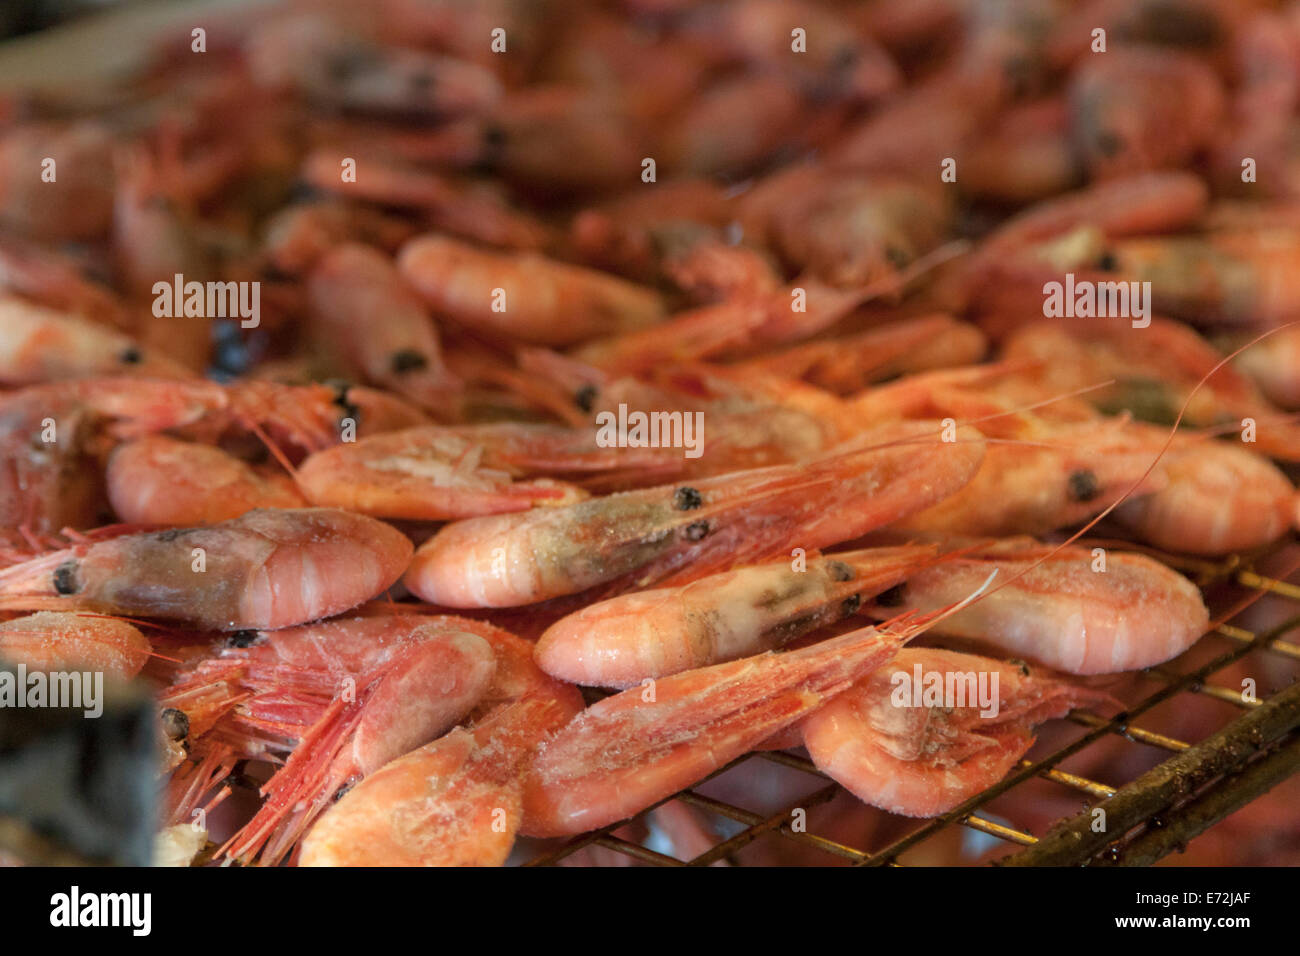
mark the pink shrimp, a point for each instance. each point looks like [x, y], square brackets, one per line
[1066, 607]
[78, 203]
[897, 751]
[1142, 109]
[161, 481]
[541, 301]
[457, 800]
[674, 534]
[41, 345]
[363, 307]
[1217, 497]
[630, 751]
[650, 634]
[265, 569]
[50, 640]
[848, 364]
[342, 698]
[439, 473]
[1159, 372]
[735, 327]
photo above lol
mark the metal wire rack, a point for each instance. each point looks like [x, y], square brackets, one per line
[1151, 816]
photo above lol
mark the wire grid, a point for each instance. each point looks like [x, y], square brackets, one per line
[755, 826]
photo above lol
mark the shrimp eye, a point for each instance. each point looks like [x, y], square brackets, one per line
[1109, 143]
[175, 723]
[696, 530]
[130, 356]
[65, 578]
[839, 571]
[851, 604]
[1084, 485]
[408, 360]
[341, 399]
[1108, 262]
[585, 397]
[241, 639]
[1017, 662]
[686, 498]
[892, 597]
[897, 257]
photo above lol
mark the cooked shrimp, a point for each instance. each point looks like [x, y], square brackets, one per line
[1217, 497]
[363, 307]
[265, 569]
[457, 800]
[1059, 607]
[650, 634]
[674, 534]
[52, 641]
[161, 481]
[541, 301]
[923, 759]
[629, 751]
[42, 345]
[439, 473]
[344, 697]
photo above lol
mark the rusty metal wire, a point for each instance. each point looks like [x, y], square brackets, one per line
[1194, 787]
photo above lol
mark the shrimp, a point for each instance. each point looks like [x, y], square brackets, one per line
[675, 534]
[1217, 497]
[847, 230]
[361, 304]
[456, 801]
[78, 203]
[1159, 373]
[541, 301]
[475, 211]
[161, 481]
[850, 363]
[1140, 109]
[51, 641]
[628, 752]
[334, 67]
[342, 697]
[1273, 364]
[738, 326]
[650, 634]
[41, 345]
[1059, 474]
[439, 473]
[1065, 607]
[295, 238]
[264, 569]
[922, 759]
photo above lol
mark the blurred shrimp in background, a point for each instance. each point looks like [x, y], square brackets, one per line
[707, 353]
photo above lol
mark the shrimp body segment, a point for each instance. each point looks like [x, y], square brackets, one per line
[158, 480]
[921, 760]
[1065, 612]
[675, 534]
[650, 634]
[436, 473]
[631, 750]
[265, 569]
[51, 640]
[536, 300]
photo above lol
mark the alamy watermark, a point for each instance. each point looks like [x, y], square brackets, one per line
[1085, 299]
[651, 430]
[74, 689]
[209, 300]
[923, 688]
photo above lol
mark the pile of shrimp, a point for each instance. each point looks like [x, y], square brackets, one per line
[624, 385]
